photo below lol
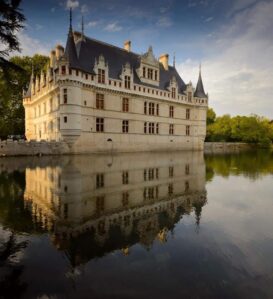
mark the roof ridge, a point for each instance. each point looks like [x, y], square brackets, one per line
[110, 45]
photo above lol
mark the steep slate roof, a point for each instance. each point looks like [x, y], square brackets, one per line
[70, 50]
[199, 91]
[90, 49]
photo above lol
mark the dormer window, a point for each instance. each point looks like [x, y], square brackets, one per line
[189, 96]
[144, 72]
[150, 74]
[173, 92]
[63, 69]
[101, 76]
[155, 75]
[127, 82]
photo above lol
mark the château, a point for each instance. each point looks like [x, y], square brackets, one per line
[98, 97]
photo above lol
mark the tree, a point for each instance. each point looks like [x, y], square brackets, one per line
[211, 116]
[11, 21]
[11, 87]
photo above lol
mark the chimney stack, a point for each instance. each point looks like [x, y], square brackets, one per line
[52, 58]
[164, 59]
[59, 51]
[127, 45]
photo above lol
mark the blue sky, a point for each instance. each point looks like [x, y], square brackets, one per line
[232, 39]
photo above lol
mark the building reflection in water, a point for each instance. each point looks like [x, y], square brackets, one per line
[92, 205]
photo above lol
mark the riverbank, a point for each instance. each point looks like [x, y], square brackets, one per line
[32, 148]
[227, 147]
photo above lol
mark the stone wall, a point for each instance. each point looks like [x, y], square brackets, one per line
[32, 148]
[226, 147]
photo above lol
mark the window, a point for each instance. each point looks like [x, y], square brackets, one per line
[63, 69]
[145, 107]
[127, 82]
[157, 109]
[125, 104]
[100, 204]
[50, 104]
[145, 128]
[101, 76]
[85, 103]
[65, 119]
[171, 129]
[187, 186]
[151, 128]
[125, 199]
[188, 111]
[99, 180]
[171, 109]
[77, 73]
[173, 92]
[187, 130]
[51, 126]
[150, 74]
[171, 171]
[65, 95]
[151, 108]
[144, 72]
[100, 101]
[189, 96]
[125, 177]
[155, 75]
[86, 76]
[70, 71]
[187, 169]
[157, 128]
[99, 124]
[170, 189]
[125, 126]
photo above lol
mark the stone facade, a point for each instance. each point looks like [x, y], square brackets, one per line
[139, 104]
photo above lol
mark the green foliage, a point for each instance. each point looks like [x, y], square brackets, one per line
[11, 87]
[249, 129]
[11, 21]
[211, 116]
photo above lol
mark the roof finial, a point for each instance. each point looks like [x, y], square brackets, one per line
[82, 27]
[174, 59]
[200, 68]
[70, 19]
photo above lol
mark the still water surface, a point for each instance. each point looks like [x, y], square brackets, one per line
[175, 225]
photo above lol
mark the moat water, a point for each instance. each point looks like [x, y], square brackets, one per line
[176, 225]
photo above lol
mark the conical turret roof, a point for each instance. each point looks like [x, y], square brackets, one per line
[199, 91]
[70, 49]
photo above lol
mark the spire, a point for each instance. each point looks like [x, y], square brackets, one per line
[82, 27]
[82, 37]
[70, 19]
[70, 49]
[199, 91]
[174, 59]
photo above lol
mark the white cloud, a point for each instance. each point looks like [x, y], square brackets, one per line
[31, 46]
[237, 66]
[164, 22]
[72, 4]
[84, 9]
[209, 19]
[92, 24]
[38, 26]
[113, 27]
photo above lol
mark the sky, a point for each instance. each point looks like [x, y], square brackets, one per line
[232, 39]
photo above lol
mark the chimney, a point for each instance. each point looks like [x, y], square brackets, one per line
[59, 51]
[77, 36]
[52, 58]
[164, 59]
[127, 45]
